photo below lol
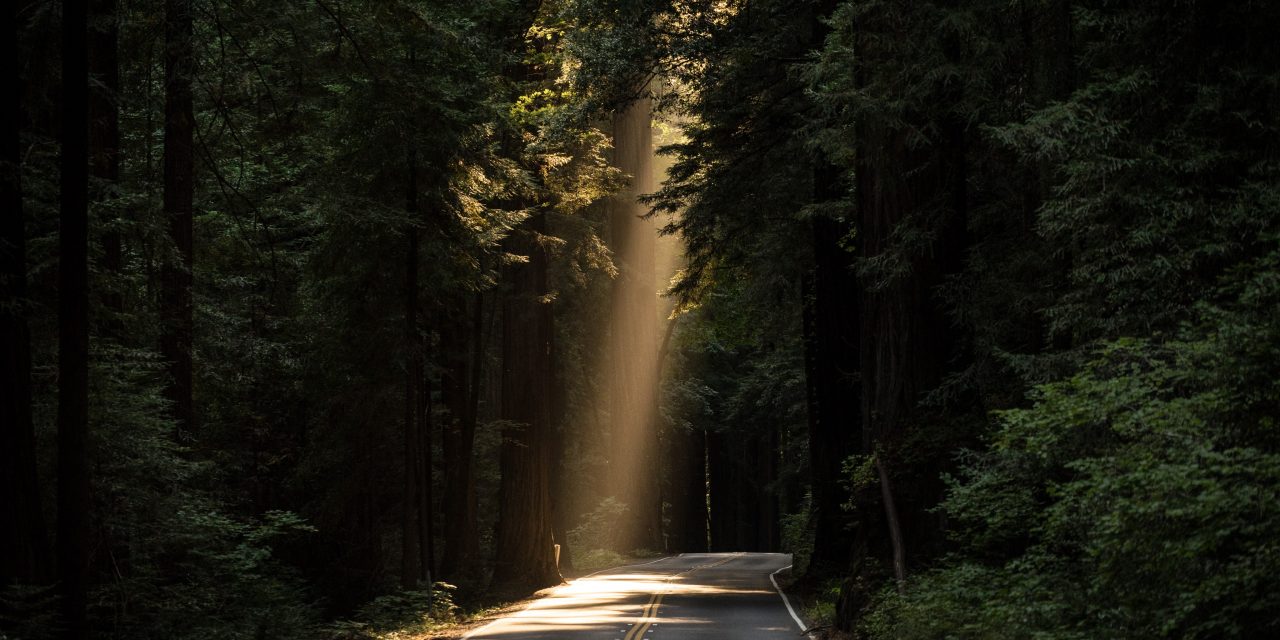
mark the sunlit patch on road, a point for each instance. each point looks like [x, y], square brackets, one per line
[678, 595]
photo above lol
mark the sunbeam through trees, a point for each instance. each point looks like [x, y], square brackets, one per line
[375, 319]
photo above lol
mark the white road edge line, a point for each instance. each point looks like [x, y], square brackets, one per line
[473, 632]
[785, 600]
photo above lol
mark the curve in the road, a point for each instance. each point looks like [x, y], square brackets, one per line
[773, 577]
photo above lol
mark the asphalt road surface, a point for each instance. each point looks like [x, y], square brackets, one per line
[721, 596]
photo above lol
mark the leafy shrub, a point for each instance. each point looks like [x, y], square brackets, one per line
[596, 559]
[797, 535]
[1143, 493]
[180, 565]
[600, 527]
[820, 608]
[397, 615]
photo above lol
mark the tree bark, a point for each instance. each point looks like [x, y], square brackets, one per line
[904, 186]
[906, 339]
[830, 316]
[73, 327]
[525, 557]
[633, 338]
[460, 383]
[426, 501]
[179, 191]
[895, 527]
[410, 532]
[24, 546]
[688, 473]
[559, 472]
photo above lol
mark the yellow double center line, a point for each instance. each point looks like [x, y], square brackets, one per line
[649, 614]
[647, 617]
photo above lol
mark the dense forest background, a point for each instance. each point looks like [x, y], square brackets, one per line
[331, 318]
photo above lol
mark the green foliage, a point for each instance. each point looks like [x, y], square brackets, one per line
[402, 614]
[797, 535]
[1143, 492]
[598, 533]
[860, 474]
[1120, 192]
[597, 559]
[181, 566]
[1115, 315]
[312, 121]
[820, 608]
[599, 528]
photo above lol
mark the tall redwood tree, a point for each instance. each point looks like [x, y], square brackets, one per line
[179, 185]
[634, 337]
[23, 545]
[525, 552]
[73, 326]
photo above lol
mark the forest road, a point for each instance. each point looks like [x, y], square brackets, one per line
[721, 596]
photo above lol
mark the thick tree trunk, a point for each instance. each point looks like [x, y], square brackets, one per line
[722, 509]
[525, 555]
[460, 384]
[768, 533]
[687, 468]
[633, 338]
[409, 541]
[73, 327]
[832, 367]
[23, 546]
[559, 472]
[426, 501]
[410, 530]
[179, 189]
[743, 509]
[906, 338]
[525, 558]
